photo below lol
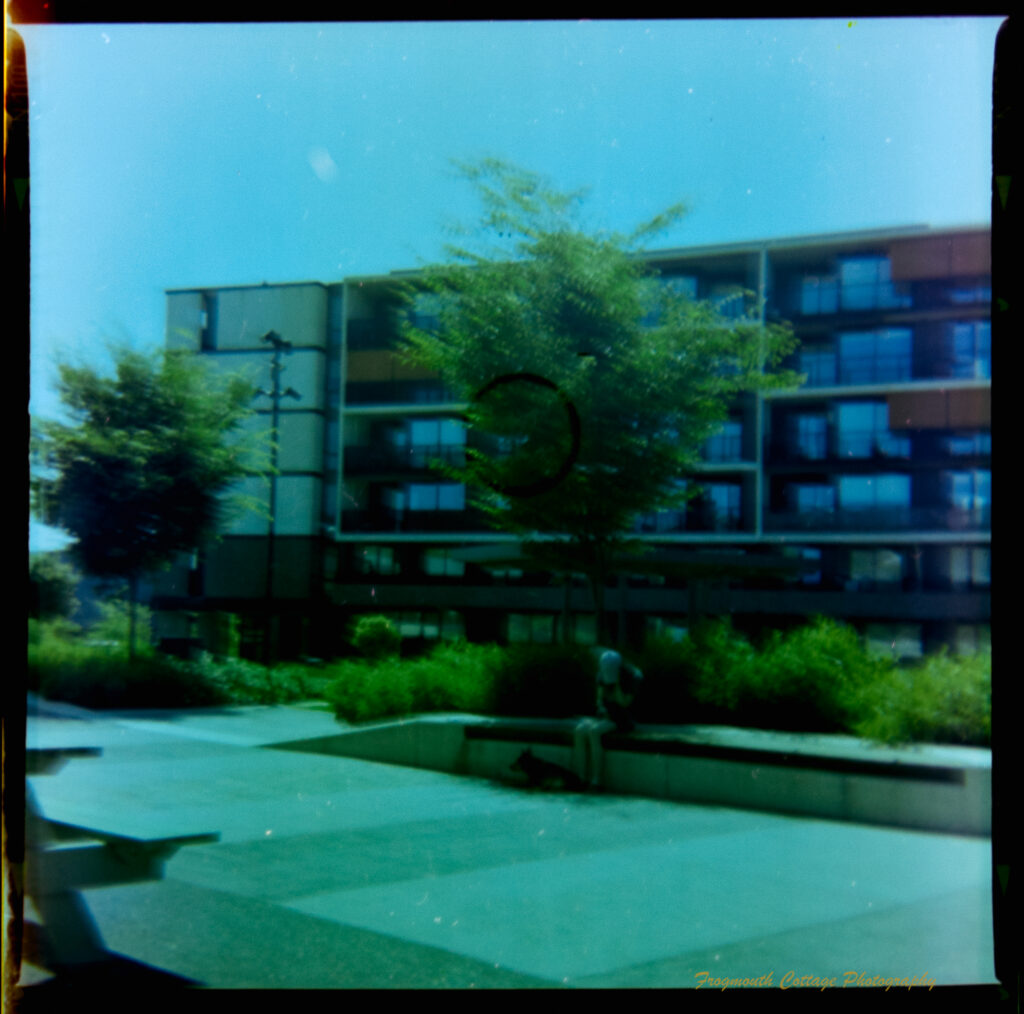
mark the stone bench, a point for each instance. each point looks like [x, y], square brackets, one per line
[62, 859]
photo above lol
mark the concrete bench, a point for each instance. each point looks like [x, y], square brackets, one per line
[63, 859]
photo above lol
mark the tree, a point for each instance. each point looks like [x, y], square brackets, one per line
[52, 584]
[139, 477]
[592, 384]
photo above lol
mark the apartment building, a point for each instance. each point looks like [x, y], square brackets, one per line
[864, 494]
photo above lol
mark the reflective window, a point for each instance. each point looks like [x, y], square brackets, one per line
[866, 284]
[863, 431]
[965, 444]
[377, 560]
[873, 357]
[440, 563]
[819, 295]
[858, 492]
[809, 435]
[970, 346]
[724, 498]
[872, 567]
[820, 366]
[968, 490]
[527, 628]
[895, 640]
[727, 444]
[811, 498]
[443, 496]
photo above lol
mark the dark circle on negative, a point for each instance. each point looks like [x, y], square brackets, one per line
[549, 482]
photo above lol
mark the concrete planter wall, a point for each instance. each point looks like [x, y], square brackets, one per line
[935, 788]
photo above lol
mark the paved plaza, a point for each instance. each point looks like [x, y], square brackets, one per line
[339, 873]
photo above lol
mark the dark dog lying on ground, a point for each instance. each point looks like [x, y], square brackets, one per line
[542, 774]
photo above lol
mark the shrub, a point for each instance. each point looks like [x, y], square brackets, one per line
[811, 678]
[376, 637]
[114, 624]
[362, 691]
[942, 699]
[718, 661]
[452, 677]
[96, 678]
[545, 681]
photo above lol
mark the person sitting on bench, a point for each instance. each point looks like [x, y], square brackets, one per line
[617, 683]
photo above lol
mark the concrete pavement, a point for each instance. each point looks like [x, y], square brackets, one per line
[339, 873]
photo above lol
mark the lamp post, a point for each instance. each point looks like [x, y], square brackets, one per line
[280, 346]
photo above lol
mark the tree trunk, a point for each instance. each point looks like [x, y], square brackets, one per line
[133, 594]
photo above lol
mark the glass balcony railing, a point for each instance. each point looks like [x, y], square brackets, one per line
[418, 522]
[398, 392]
[384, 458]
[882, 519]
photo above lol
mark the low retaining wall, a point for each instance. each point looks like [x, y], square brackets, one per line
[933, 788]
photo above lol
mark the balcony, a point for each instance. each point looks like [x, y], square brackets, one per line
[398, 392]
[842, 448]
[384, 522]
[883, 519]
[384, 459]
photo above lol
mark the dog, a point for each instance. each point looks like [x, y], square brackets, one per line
[542, 774]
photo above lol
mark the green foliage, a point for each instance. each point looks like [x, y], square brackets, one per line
[452, 677]
[649, 374]
[52, 584]
[244, 682]
[138, 477]
[811, 677]
[376, 637]
[546, 681]
[61, 669]
[815, 678]
[65, 665]
[115, 621]
[942, 699]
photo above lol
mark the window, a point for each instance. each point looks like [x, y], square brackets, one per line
[811, 498]
[377, 560]
[526, 628]
[818, 294]
[809, 436]
[426, 311]
[440, 563]
[894, 640]
[819, 364]
[970, 349]
[874, 568]
[873, 357]
[439, 496]
[724, 501]
[972, 638]
[866, 284]
[967, 444]
[436, 438]
[811, 577]
[968, 490]
[863, 492]
[729, 301]
[864, 431]
[970, 566]
[967, 292]
[727, 444]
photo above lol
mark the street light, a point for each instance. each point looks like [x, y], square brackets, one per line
[280, 346]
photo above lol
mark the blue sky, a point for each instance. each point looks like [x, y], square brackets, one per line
[166, 156]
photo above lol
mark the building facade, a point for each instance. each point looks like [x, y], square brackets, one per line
[864, 494]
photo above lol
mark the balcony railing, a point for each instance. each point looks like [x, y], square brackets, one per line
[367, 460]
[398, 392]
[415, 522]
[882, 519]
